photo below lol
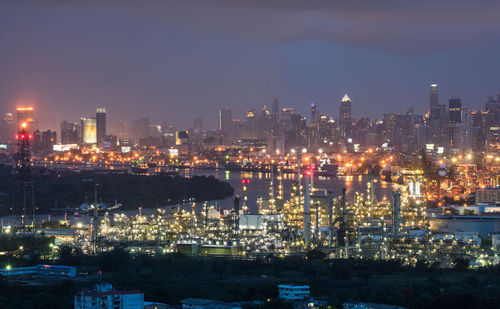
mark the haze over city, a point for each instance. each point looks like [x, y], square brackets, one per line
[256, 154]
[178, 60]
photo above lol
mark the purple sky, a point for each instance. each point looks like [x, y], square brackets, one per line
[181, 59]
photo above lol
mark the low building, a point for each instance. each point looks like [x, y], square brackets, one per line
[485, 226]
[104, 296]
[42, 270]
[488, 195]
[293, 292]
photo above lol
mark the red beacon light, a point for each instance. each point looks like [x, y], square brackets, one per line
[245, 181]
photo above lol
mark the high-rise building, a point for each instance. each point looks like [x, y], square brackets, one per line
[225, 120]
[345, 122]
[70, 132]
[198, 126]
[7, 128]
[100, 117]
[140, 129]
[433, 96]
[315, 115]
[454, 110]
[25, 115]
[89, 131]
[275, 110]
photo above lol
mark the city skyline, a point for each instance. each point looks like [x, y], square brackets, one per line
[150, 60]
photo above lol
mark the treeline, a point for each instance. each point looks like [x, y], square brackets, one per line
[170, 278]
[67, 189]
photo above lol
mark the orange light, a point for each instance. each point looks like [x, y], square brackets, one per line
[22, 109]
[24, 125]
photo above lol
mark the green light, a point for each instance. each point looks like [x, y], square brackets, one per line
[8, 267]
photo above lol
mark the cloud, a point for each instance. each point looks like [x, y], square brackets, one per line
[394, 25]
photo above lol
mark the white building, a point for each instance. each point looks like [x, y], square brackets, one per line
[488, 195]
[293, 292]
[104, 297]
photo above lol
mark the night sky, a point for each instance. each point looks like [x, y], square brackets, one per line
[178, 60]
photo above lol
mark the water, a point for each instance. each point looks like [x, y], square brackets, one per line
[259, 185]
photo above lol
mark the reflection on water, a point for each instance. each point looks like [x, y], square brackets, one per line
[259, 185]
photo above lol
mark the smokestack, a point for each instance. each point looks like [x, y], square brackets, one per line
[236, 216]
[307, 214]
[344, 218]
[396, 212]
[299, 162]
[330, 219]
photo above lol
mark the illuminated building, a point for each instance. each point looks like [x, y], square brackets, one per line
[100, 117]
[104, 296]
[455, 110]
[89, 131]
[181, 138]
[225, 120]
[433, 96]
[345, 117]
[25, 115]
[315, 115]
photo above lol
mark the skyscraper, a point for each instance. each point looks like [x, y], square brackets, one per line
[315, 116]
[433, 96]
[198, 126]
[454, 110]
[70, 132]
[345, 122]
[225, 120]
[89, 130]
[100, 117]
[7, 128]
[25, 115]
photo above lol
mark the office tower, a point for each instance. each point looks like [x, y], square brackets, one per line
[315, 116]
[454, 110]
[250, 114]
[89, 131]
[49, 139]
[70, 132]
[479, 129]
[198, 126]
[455, 127]
[225, 120]
[7, 128]
[140, 129]
[396, 213]
[345, 117]
[25, 115]
[275, 110]
[438, 123]
[100, 117]
[493, 109]
[433, 96]
[181, 138]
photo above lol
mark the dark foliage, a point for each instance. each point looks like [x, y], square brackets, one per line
[67, 189]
